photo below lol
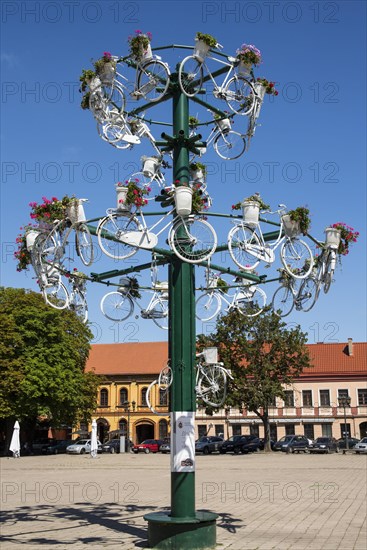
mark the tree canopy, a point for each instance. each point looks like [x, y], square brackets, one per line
[43, 352]
[264, 357]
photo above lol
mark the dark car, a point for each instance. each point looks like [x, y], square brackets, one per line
[39, 446]
[352, 442]
[208, 444]
[148, 446]
[241, 444]
[292, 444]
[113, 446]
[58, 447]
[230, 444]
[262, 444]
[250, 444]
[324, 445]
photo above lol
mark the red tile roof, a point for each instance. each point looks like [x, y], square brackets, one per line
[328, 360]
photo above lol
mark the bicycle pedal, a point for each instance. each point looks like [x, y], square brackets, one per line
[144, 314]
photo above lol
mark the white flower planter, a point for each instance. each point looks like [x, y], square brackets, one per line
[124, 283]
[201, 50]
[332, 237]
[150, 167]
[75, 212]
[183, 200]
[94, 83]
[197, 176]
[30, 238]
[144, 54]
[224, 124]
[210, 355]
[244, 69]
[291, 228]
[121, 194]
[107, 75]
[260, 90]
[251, 211]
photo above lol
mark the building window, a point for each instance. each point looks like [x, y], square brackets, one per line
[273, 432]
[362, 397]
[273, 402]
[289, 399]
[344, 430]
[343, 393]
[327, 430]
[202, 430]
[309, 431]
[163, 429]
[123, 426]
[123, 396]
[289, 429]
[254, 429]
[324, 398]
[144, 397]
[103, 397]
[236, 429]
[163, 397]
[307, 398]
[219, 430]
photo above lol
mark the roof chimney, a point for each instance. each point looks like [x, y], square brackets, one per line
[350, 347]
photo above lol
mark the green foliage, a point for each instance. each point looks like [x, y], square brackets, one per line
[43, 352]
[86, 76]
[301, 215]
[193, 121]
[198, 166]
[263, 355]
[207, 38]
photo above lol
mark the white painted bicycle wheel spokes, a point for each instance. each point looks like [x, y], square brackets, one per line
[230, 145]
[240, 96]
[212, 385]
[112, 227]
[153, 80]
[251, 301]
[297, 258]
[243, 246]
[190, 76]
[307, 294]
[116, 306]
[207, 306]
[55, 293]
[193, 240]
[165, 377]
[84, 244]
[78, 304]
[283, 301]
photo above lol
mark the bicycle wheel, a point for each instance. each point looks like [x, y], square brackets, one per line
[329, 270]
[239, 95]
[307, 295]
[110, 229]
[55, 294]
[283, 301]
[159, 311]
[116, 306]
[106, 102]
[250, 301]
[207, 306]
[229, 146]
[153, 80]
[165, 377]
[193, 240]
[149, 183]
[297, 258]
[212, 385]
[79, 305]
[84, 244]
[53, 246]
[190, 76]
[243, 246]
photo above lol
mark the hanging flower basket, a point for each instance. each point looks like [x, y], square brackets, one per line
[75, 212]
[31, 237]
[107, 74]
[291, 228]
[140, 47]
[197, 172]
[260, 90]
[201, 50]
[244, 68]
[121, 193]
[150, 166]
[251, 211]
[224, 124]
[94, 83]
[333, 237]
[183, 200]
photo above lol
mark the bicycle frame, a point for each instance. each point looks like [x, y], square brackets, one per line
[218, 89]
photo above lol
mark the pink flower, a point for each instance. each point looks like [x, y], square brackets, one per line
[107, 54]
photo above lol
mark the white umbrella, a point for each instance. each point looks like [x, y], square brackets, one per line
[15, 443]
[93, 443]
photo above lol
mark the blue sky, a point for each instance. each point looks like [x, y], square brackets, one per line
[309, 149]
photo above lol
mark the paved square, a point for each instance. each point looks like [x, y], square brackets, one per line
[264, 502]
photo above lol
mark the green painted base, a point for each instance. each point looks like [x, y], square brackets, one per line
[169, 533]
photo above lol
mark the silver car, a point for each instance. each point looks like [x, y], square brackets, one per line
[361, 447]
[82, 446]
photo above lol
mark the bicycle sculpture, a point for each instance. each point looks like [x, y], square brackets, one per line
[119, 104]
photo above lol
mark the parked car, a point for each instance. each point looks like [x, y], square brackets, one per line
[292, 444]
[230, 444]
[166, 446]
[113, 446]
[148, 446]
[208, 444]
[361, 446]
[39, 446]
[82, 446]
[324, 445]
[262, 443]
[58, 447]
[352, 442]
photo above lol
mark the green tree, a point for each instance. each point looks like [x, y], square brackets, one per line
[264, 357]
[43, 352]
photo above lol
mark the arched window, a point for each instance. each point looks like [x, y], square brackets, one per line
[103, 397]
[163, 429]
[144, 397]
[163, 397]
[123, 396]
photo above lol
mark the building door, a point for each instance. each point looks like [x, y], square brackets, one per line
[144, 431]
[363, 429]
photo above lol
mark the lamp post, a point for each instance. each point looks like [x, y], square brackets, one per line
[126, 405]
[344, 402]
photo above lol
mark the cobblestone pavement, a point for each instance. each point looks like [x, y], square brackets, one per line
[275, 501]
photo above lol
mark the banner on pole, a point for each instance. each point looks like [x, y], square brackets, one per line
[182, 441]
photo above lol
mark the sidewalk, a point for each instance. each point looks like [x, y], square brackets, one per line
[275, 501]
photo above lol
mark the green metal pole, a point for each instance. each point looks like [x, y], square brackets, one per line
[182, 336]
